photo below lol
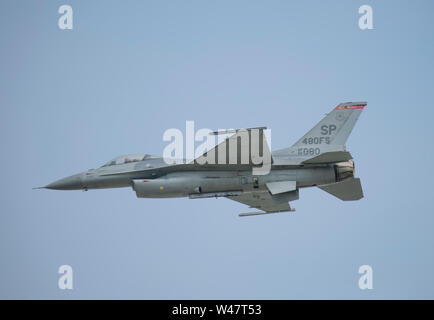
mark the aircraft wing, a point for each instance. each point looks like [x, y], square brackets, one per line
[264, 201]
[245, 147]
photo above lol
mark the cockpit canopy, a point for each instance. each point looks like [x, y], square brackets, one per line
[127, 159]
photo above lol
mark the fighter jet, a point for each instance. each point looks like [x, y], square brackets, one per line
[317, 159]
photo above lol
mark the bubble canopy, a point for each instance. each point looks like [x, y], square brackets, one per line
[127, 159]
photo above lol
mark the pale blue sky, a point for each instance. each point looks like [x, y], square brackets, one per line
[129, 70]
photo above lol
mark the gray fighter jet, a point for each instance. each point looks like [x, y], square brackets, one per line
[318, 159]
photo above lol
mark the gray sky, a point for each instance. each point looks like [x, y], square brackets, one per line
[73, 99]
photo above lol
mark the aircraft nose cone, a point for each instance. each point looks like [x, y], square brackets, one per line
[69, 183]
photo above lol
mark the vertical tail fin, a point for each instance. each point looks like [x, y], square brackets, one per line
[335, 127]
[330, 134]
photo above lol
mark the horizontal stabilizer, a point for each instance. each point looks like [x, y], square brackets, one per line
[347, 190]
[330, 157]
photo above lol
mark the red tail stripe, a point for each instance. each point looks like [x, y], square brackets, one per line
[349, 107]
